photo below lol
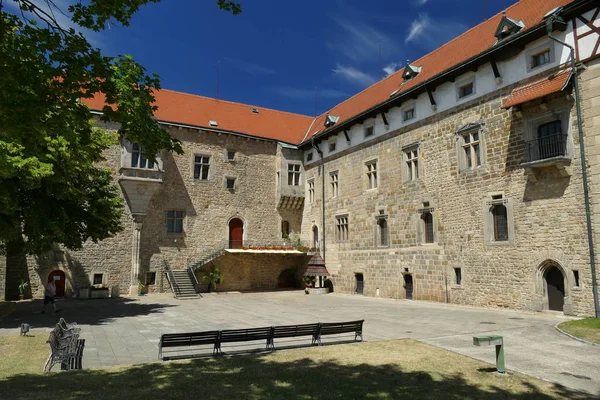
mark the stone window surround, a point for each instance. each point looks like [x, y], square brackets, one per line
[420, 226]
[210, 166]
[299, 172]
[332, 144]
[156, 274]
[309, 156]
[462, 83]
[378, 216]
[488, 220]
[403, 110]
[334, 183]
[339, 237]
[183, 223]
[235, 183]
[460, 141]
[96, 272]
[371, 161]
[310, 187]
[548, 45]
[532, 120]
[366, 126]
[227, 153]
[405, 159]
[126, 155]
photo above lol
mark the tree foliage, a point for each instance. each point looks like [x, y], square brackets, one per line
[53, 188]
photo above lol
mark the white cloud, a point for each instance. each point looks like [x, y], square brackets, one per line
[354, 75]
[419, 3]
[305, 94]
[391, 68]
[417, 28]
[359, 41]
[251, 68]
[433, 33]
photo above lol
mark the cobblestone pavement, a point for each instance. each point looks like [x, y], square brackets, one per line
[126, 330]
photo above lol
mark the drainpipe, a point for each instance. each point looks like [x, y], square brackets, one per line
[322, 197]
[586, 193]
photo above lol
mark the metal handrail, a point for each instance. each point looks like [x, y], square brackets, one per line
[171, 279]
[546, 147]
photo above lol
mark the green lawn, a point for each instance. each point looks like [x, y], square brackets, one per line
[586, 329]
[397, 369]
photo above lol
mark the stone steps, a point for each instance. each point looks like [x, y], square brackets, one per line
[184, 287]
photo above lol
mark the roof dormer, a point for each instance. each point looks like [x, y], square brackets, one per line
[410, 71]
[330, 120]
[507, 27]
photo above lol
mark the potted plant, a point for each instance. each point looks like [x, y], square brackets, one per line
[214, 276]
[22, 287]
[141, 288]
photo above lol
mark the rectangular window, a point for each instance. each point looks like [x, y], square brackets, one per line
[540, 59]
[408, 114]
[175, 221]
[412, 163]
[471, 148]
[334, 183]
[150, 278]
[457, 276]
[383, 234]
[294, 174]
[201, 167]
[341, 226]
[466, 90]
[98, 279]
[427, 218]
[309, 156]
[311, 191]
[230, 155]
[371, 174]
[576, 276]
[369, 131]
[332, 146]
[138, 158]
[230, 183]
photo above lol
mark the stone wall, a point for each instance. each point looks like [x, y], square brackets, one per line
[547, 218]
[245, 271]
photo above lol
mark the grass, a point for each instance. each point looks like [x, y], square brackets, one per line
[397, 369]
[586, 329]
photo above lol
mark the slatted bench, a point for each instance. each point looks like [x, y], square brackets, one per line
[66, 348]
[188, 340]
[269, 334]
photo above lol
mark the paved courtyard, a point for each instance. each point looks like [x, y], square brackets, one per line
[126, 331]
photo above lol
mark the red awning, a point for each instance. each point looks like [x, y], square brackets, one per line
[540, 88]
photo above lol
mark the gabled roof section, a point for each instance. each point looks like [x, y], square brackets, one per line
[507, 27]
[410, 71]
[540, 88]
[468, 45]
[199, 111]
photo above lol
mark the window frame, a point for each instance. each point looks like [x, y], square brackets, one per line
[332, 145]
[296, 176]
[382, 237]
[422, 231]
[235, 184]
[411, 163]
[342, 228]
[175, 218]
[463, 83]
[458, 276]
[493, 200]
[407, 109]
[534, 120]
[309, 156]
[372, 175]
[149, 164]
[547, 46]
[310, 185]
[334, 183]
[201, 164]
[228, 152]
[146, 278]
[462, 144]
[366, 128]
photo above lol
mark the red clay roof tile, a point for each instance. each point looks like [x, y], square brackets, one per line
[540, 88]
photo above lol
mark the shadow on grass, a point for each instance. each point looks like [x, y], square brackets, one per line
[254, 377]
[84, 312]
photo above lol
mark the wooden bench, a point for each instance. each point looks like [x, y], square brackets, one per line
[188, 340]
[66, 348]
[337, 328]
[269, 334]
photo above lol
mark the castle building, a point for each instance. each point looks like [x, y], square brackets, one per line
[457, 179]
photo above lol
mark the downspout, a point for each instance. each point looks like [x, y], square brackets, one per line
[323, 196]
[586, 193]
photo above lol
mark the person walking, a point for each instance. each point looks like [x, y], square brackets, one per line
[49, 295]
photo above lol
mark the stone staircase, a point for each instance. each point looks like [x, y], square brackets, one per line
[182, 284]
[207, 259]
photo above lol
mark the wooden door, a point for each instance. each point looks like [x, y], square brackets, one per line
[236, 233]
[59, 280]
[555, 287]
[408, 285]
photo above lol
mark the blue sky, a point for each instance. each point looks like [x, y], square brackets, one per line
[275, 53]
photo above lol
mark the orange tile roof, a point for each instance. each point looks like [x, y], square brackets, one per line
[540, 88]
[471, 43]
[188, 109]
[195, 110]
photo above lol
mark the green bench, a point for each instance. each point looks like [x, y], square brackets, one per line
[496, 340]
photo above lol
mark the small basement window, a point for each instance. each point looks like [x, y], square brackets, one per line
[150, 278]
[230, 183]
[98, 279]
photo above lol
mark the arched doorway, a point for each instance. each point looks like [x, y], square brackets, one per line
[236, 233]
[408, 286]
[287, 279]
[360, 283]
[315, 237]
[555, 288]
[58, 277]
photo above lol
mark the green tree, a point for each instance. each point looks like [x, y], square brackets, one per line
[53, 188]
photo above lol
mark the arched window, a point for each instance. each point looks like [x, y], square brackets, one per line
[500, 217]
[285, 229]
